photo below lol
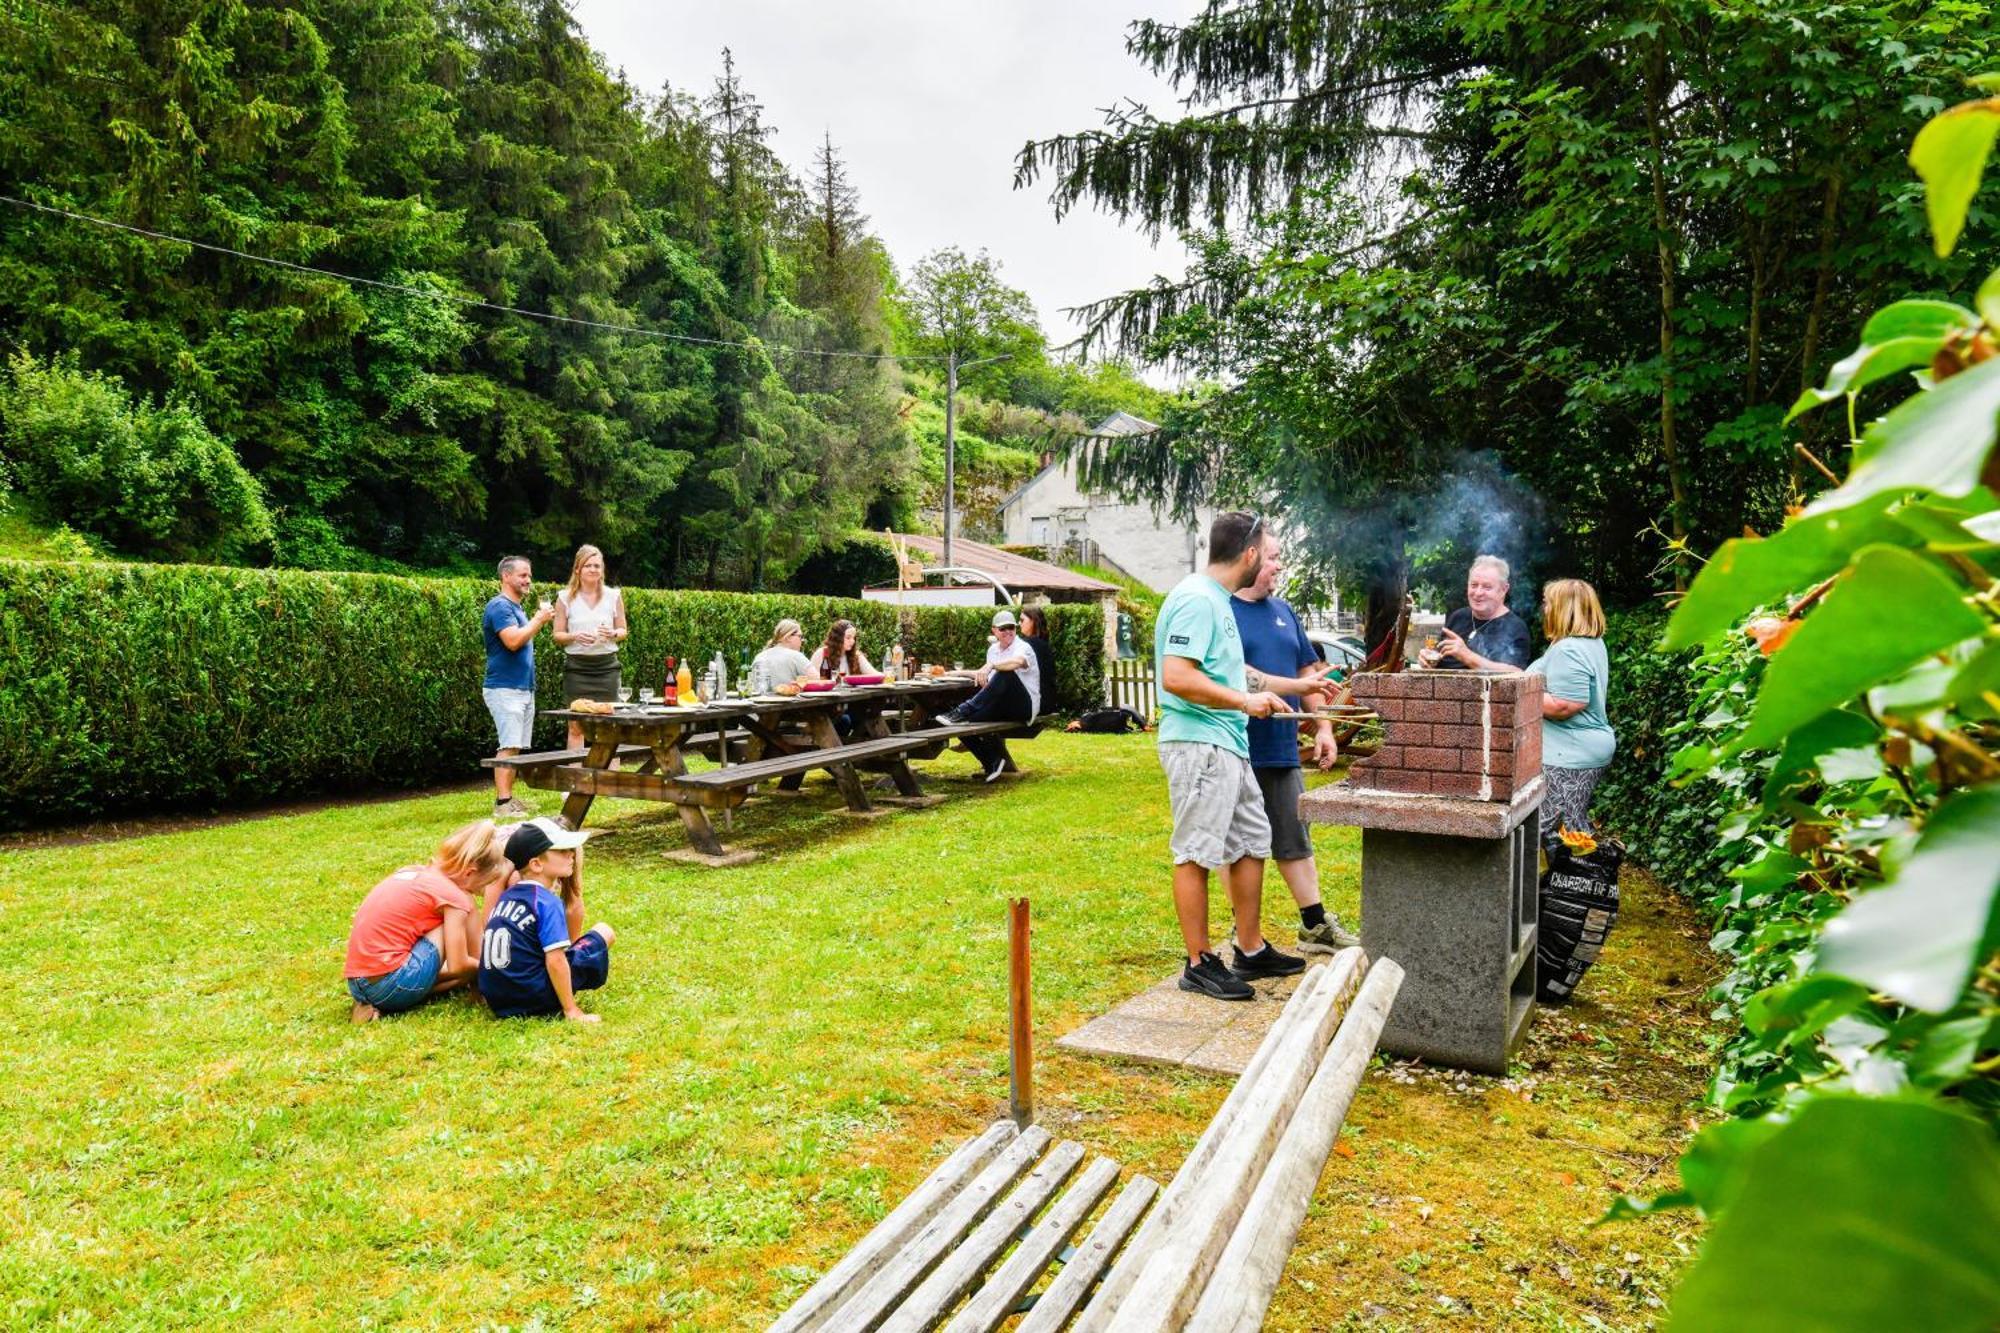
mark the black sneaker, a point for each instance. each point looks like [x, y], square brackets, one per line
[1266, 962]
[1209, 977]
[995, 768]
[948, 718]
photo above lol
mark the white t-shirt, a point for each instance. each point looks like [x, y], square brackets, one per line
[584, 616]
[785, 664]
[1030, 675]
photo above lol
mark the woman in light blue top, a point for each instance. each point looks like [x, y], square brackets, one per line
[1577, 740]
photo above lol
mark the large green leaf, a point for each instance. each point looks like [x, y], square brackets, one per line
[1950, 155]
[1861, 1214]
[1890, 610]
[1918, 937]
[1916, 319]
[1749, 572]
[1936, 441]
[1864, 366]
[1976, 688]
[1838, 732]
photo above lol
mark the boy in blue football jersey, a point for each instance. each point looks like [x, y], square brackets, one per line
[528, 964]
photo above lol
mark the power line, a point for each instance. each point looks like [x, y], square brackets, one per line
[467, 301]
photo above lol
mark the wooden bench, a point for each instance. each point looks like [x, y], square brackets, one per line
[542, 758]
[979, 1233]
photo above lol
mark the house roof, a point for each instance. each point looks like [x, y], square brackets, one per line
[1117, 424]
[1018, 572]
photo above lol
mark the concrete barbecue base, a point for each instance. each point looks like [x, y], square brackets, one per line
[1448, 889]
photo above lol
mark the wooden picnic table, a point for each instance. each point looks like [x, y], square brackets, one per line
[782, 737]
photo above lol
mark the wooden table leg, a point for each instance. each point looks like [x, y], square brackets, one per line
[872, 724]
[826, 738]
[603, 754]
[701, 833]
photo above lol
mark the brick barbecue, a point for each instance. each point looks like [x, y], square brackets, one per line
[1472, 735]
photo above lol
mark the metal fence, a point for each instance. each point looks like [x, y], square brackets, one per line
[1130, 685]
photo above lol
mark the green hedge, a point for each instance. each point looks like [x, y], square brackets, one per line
[129, 688]
[1669, 829]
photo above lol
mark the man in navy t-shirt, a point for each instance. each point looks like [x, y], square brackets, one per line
[509, 688]
[1275, 643]
[528, 963]
[1482, 635]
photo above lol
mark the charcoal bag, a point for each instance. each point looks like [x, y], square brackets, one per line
[1579, 905]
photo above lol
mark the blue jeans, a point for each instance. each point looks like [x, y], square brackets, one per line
[405, 988]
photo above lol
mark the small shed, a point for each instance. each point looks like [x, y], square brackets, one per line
[1028, 579]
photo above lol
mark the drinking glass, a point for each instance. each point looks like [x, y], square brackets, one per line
[624, 694]
[646, 695]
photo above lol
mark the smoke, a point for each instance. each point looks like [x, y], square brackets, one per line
[1478, 508]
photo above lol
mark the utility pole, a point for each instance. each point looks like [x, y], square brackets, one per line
[951, 369]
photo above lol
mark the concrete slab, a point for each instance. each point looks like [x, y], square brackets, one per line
[1164, 1024]
[741, 856]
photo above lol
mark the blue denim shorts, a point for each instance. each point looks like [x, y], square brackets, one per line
[406, 987]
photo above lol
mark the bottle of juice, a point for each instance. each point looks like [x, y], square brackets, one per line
[670, 691]
[684, 685]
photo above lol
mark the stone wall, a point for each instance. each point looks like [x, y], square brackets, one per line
[1466, 734]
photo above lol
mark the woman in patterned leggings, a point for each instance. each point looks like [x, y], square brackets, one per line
[1577, 740]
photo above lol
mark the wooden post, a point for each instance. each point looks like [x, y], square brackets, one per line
[1021, 1041]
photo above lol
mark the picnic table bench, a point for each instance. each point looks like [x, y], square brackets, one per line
[1212, 1246]
[755, 741]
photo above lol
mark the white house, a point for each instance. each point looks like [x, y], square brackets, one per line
[1051, 510]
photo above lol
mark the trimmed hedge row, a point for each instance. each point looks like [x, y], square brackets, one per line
[1666, 828]
[130, 688]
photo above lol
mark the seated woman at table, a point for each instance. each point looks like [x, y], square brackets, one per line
[415, 935]
[841, 653]
[781, 659]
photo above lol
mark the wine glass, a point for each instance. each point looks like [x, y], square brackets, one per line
[624, 694]
[646, 696]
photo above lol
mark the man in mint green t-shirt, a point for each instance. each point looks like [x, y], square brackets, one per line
[1207, 697]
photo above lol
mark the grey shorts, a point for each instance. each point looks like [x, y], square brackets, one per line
[513, 716]
[1282, 787]
[1218, 809]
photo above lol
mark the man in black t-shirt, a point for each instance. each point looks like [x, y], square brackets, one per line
[1482, 635]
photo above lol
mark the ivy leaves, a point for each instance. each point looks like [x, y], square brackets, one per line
[1854, 723]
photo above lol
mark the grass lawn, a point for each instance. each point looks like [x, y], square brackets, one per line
[197, 1134]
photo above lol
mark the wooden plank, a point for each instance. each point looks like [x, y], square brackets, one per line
[1254, 1260]
[1179, 1194]
[905, 1268]
[805, 760]
[993, 1303]
[1209, 1206]
[1072, 1286]
[818, 1305]
[960, 1271]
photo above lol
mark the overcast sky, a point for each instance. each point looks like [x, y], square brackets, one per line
[928, 101]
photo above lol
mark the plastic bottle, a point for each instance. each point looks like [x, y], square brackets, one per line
[684, 683]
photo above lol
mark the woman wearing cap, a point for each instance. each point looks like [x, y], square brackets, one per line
[1010, 690]
[532, 960]
[781, 659]
[414, 935]
[1577, 739]
[590, 623]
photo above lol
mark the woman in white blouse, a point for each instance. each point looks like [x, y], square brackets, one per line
[590, 624]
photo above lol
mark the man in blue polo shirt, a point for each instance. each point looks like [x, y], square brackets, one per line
[509, 688]
[1274, 642]
[1207, 696]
